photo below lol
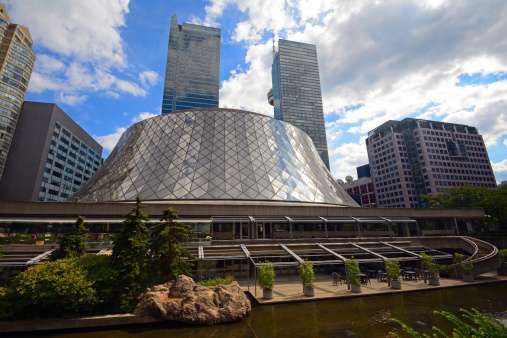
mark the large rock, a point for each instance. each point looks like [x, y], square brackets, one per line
[183, 300]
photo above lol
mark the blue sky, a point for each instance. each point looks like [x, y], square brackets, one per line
[103, 62]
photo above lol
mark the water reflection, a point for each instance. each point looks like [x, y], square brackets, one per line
[355, 317]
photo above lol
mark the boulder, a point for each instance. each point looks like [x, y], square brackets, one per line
[183, 300]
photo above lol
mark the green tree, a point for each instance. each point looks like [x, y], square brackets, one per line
[467, 196]
[166, 254]
[73, 243]
[495, 206]
[130, 257]
[494, 202]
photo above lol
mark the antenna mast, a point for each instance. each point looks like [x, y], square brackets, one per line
[273, 47]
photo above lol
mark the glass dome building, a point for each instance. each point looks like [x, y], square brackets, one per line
[214, 154]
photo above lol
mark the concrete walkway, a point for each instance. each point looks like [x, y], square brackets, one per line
[289, 288]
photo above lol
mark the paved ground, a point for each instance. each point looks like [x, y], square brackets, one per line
[290, 289]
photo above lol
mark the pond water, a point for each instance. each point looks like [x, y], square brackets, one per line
[353, 317]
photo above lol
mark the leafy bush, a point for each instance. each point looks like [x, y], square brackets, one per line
[353, 271]
[393, 269]
[99, 272]
[267, 276]
[217, 281]
[52, 289]
[458, 258]
[444, 270]
[503, 257]
[480, 326]
[306, 273]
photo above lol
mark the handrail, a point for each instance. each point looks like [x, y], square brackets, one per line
[484, 245]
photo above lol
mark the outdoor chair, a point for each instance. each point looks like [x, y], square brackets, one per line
[381, 276]
[336, 278]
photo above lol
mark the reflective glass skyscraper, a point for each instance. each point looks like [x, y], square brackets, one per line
[192, 73]
[296, 95]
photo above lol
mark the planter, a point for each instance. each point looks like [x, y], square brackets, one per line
[310, 292]
[267, 293]
[396, 284]
[39, 242]
[434, 281]
[468, 278]
[355, 288]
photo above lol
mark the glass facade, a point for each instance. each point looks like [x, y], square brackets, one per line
[297, 97]
[193, 67]
[16, 60]
[214, 154]
[70, 164]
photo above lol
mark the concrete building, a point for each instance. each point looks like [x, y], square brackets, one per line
[214, 154]
[51, 156]
[296, 93]
[361, 190]
[16, 64]
[192, 74]
[413, 157]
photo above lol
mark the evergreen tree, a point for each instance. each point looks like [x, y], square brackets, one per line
[73, 243]
[130, 257]
[167, 261]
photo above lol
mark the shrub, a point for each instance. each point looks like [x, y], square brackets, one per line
[306, 273]
[217, 281]
[353, 271]
[99, 272]
[444, 270]
[503, 257]
[52, 289]
[480, 326]
[267, 276]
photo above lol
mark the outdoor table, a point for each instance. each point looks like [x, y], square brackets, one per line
[363, 278]
[411, 275]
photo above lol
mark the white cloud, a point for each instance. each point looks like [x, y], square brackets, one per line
[395, 59]
[130, 87]
[86, 30]
[70, 99]
[149, 78]
[82, 47]
[142, 116]
[108, 142]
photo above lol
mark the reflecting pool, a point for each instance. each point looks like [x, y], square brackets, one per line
[353, 317]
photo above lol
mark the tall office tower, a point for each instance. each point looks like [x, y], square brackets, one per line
[51, 156]
[16, 64]
[192, 74]
[296, 93]
[413, 157]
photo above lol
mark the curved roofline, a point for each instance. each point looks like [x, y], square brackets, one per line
[220, 109]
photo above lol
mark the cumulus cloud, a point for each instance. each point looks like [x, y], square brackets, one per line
[389, 60]
[83, 51]
[149, 78]
[142, 116]
[108, 142]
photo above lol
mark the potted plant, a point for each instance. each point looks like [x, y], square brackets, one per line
[353, 273]
[431, 267]
[502, 270]
[267, 279]
[307, 278]
[393, 271]
[467, 268]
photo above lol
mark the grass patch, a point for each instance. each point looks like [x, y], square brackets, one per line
[217, 281]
